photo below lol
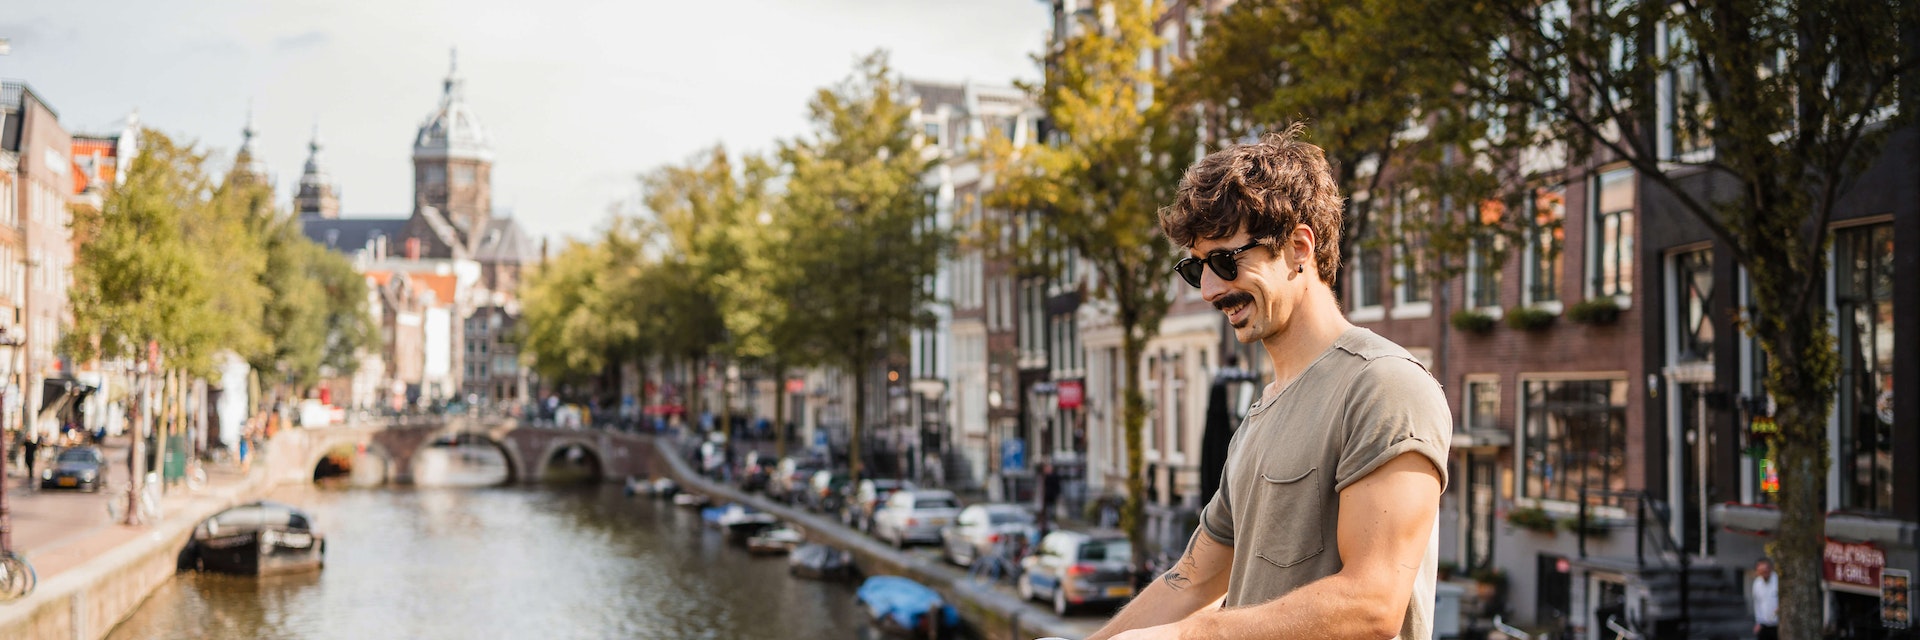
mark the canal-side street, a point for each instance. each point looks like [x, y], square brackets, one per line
[462, 555]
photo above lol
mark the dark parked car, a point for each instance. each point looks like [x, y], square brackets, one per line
[81, 468]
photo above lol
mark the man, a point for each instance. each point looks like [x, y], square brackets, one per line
[1766, 601]
[31, 451]
[1323, 525]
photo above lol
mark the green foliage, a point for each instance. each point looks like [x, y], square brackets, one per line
[1595, 311]
[853, 221]
[1595, 528]
[1473, 321]
[1530, 318]
[1532, 518]
[154, 263]
[1099, 199]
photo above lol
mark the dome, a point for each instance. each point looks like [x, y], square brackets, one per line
[452, 131]
[314, 174]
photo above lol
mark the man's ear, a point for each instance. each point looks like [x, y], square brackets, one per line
[1302, 242]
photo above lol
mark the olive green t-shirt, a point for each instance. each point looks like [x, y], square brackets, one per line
[1363, 402]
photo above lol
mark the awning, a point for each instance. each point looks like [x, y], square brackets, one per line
[61, 398]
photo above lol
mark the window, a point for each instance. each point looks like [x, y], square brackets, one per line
[1177, 401]
[1612, 267]
[1482, 405]
[1544, 238]
[1688, 120]
[462, 176]
[435, 174]
[1483, 260]
[1413, 289]
[1574, 439]
[1693, 284]
[1863, 260]
[1366, 279]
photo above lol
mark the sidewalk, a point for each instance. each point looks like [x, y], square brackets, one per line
[58, 530]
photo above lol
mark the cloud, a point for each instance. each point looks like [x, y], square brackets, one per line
[305, 40]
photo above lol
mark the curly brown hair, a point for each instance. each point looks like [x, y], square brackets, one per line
[1267, 187]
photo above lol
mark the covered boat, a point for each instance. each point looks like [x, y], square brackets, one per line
[901, 607]
[775, 541]
[820, 562]
[259, 538]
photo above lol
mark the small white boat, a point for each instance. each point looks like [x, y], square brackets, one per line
[690, 500]
[775, 541]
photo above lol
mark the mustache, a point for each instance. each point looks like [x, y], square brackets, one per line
[1232, 300]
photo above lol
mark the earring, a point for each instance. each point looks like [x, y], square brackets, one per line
[1300, 268]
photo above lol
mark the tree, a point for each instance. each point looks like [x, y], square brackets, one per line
[856, 223]
[562, 321]
[1794, 98]
[1100, 186]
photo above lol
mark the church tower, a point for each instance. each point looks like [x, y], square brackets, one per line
[247, 162]
[317, 197]
[453, 167]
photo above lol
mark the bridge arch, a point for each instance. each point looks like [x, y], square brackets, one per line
[366, 448]
[556, 447]
[516, 466]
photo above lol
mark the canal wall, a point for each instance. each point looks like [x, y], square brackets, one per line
[990, 613]
[87, 601]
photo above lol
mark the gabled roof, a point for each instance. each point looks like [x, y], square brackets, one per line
[350, 235]
[504, 241]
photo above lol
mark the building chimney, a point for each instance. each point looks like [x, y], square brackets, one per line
[413, 248]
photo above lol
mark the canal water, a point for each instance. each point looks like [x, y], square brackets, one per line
[466, 561]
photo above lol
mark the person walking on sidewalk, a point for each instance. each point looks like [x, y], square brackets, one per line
[1766, 601]
[30, 450]
[1324, 523]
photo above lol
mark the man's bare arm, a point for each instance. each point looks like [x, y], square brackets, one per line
[1386, 520]
[1197, 580]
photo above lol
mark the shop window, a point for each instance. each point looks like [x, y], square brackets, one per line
[1574, 438]
[1863, 260]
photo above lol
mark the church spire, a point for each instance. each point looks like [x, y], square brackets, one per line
[248, 159]
[317, 197]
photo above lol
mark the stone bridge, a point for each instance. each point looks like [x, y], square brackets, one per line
[296, 453]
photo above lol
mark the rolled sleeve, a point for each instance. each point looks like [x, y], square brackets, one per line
[1396, 408]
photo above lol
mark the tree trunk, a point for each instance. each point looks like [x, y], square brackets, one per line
[1802, 368]
[1134, 418]
[779, 410]
[640, 403]
[855, 426]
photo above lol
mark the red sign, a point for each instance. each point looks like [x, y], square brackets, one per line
[796, 385]
[1853, 563]
[1072, 395]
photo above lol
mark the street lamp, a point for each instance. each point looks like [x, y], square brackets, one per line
[7, 344]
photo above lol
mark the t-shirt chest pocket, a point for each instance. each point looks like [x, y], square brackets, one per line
[1290, 493]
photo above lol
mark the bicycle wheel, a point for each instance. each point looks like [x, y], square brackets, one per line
[117, 505]
[196, 477]
[17, 578]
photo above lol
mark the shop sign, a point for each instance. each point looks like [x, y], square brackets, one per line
[796, 385]
[1895, 589]
[1853, 564]
[1071, 394]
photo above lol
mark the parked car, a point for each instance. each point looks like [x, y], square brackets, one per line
[82, 468]
[790, 477]
[980, 528]
[1075, 568]
[827, 491]
[914, 516]
[871, 493]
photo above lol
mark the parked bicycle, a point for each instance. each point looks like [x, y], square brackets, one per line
[148, 504]
[17, 578]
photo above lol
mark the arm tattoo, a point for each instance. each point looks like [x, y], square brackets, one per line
[1176, 580]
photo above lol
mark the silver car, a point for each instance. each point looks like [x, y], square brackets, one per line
[1074, 568]
[981, 528]
[915, 516]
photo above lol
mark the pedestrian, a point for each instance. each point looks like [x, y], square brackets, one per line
[1323, 524]
[31, 449]
[246, 461]
[1766, 601]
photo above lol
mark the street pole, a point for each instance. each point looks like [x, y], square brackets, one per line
[7, 345]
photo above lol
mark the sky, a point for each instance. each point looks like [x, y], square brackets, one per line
[579, 96]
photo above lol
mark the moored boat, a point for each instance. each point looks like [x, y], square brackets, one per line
[690, 500]
[259, 538]
[902, 607]
[778, 540]
[820, 562]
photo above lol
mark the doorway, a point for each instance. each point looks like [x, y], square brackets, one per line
[1697, 491]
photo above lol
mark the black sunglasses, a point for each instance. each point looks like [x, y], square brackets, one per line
[1224, 263]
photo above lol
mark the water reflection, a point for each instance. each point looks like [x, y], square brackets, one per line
[459, 465]
[506, 562]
